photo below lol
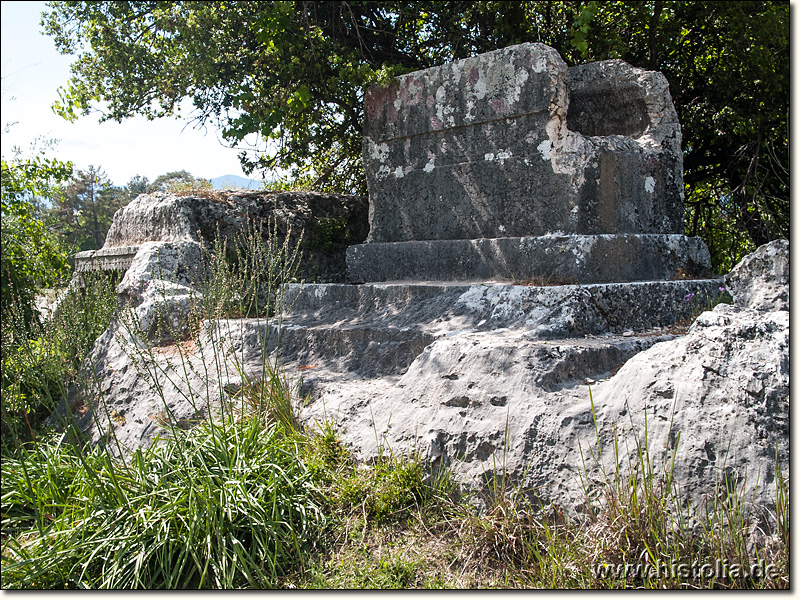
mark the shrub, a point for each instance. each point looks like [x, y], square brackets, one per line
[40, 362]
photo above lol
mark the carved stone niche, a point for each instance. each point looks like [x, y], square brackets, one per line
[605, 98]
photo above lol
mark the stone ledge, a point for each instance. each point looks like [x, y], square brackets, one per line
[543, 312]
[105, 259]
[552, 259]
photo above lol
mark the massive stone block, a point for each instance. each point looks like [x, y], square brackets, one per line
[513, 144]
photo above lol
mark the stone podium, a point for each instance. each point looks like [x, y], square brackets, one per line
[509, 166]
[500, 169]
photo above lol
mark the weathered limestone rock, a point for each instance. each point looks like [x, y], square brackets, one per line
[328, 222]
[761, 280]
[724, 387]
[377, 330]
[502, 401]
[354, 340]
[138, 391]
[160, 288]
[157, 240]
[490, 380]
[179, 263]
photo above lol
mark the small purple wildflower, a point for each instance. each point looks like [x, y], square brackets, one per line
[688, 297]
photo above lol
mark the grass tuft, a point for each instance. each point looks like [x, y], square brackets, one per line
[224, 505]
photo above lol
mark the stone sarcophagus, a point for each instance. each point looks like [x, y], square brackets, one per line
[509, 165]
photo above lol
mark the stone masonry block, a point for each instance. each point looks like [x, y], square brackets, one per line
[512, 143]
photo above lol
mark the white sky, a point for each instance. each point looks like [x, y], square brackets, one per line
[32, 72]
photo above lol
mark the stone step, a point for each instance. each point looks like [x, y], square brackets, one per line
[540, 311]
[546, 260]
[321, 357]
[380, 329]
[369, 351]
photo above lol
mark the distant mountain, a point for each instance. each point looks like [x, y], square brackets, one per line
[234, 181]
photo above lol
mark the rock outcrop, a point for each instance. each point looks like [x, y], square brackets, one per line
[160, 288]
[761, 280]
[723, 388]
[327, 222]
[162, 242]
[499, 404]
[488, 392]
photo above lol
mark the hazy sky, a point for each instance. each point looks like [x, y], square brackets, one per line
[32, 71]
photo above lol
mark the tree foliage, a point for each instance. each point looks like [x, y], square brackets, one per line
[138, 184]
[82, 215]
[289, 76]
[175, 181]
[32, 256]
